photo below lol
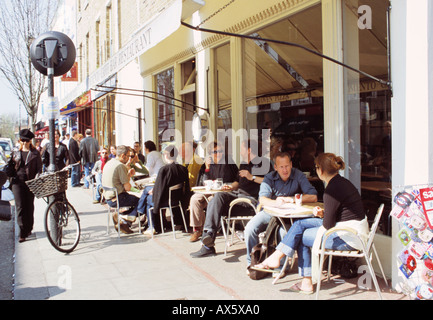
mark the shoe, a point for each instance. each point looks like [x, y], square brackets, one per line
[124, 228]
[195, 236]
[149, 232]
[208, 240]
[95, 201]
[21, 240]
[297, 289]
[204, 252]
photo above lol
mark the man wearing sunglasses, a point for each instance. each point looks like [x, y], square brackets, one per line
[217, 165]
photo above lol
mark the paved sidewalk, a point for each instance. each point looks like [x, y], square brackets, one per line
[134, 267]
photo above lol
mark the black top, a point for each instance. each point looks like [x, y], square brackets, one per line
[256, 169]
[74, 156]
[61, 156]
[342, 202]
[228, 172]
[168, 176]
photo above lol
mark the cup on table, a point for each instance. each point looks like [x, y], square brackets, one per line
[208, 184]
[298, 199]
[218, 183]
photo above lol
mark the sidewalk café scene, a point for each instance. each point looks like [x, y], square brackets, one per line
[280, 139]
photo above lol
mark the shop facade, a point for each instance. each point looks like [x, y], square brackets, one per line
[254, 85]
[310, 98]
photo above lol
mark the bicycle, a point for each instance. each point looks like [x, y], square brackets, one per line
[61, 221]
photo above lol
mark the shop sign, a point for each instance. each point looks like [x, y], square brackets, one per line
[147, 37]
[71, 75]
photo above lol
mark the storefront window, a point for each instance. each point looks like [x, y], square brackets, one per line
[166, 115]
[224, 97]
[105, 120]
[284, 86]
[368, 103]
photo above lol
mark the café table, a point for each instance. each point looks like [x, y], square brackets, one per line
[208, 192]
[291, 211]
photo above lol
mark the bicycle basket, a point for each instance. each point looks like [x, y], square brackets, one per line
[49, 184]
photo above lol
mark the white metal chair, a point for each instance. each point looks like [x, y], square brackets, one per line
[233, 220]
[367, 251]
[116, 209]
[171, 205]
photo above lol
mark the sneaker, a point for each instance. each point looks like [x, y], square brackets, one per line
[149, 232]
[195, 236]
[95, 201]
[204, 252]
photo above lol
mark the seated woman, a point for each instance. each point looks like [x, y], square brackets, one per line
[342, 207]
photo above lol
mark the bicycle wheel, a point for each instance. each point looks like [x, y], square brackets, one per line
[62, 226]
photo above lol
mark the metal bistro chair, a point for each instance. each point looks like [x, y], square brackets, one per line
[367, 252]
[172, 203]
[116, 209]
[248, 204]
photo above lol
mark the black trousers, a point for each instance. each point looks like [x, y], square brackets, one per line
[24, 204]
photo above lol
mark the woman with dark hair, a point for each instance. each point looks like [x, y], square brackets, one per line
[60, 150]
[27, 165]
[154, 158]
[342, 207]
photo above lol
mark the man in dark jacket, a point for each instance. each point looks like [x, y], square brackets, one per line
[247, 185]
[169, 175]
[74, 158]
[217, 165]
[89, 148]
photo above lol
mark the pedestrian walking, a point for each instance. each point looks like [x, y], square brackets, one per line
[89, 148]
[28, 164]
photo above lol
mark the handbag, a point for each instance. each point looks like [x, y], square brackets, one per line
[9, 168]
[5, 211]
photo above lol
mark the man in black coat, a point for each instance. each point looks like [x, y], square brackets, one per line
[168, 176]
[74, 158]
[89, 148]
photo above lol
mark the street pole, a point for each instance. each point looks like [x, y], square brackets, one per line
[51, 46]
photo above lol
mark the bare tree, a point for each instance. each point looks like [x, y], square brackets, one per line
[21, 21]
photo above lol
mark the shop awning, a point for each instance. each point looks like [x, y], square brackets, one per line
[82, 102]
[40, 133]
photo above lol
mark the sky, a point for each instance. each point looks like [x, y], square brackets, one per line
[9, 103]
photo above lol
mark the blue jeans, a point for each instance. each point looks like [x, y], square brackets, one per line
[144, 204]
[75, 175]
[126, 200]
[301, 237]
[87, 171]
[98, 177]
[252, 230]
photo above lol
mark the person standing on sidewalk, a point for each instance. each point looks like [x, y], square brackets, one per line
[89, 148]
[28, 164]
[74, 158]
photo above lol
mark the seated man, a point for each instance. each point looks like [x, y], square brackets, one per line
[251, 175]
[278, 187]
[215, 166]
[168, 176]
[117, 173]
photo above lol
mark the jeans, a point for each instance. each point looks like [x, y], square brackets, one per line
[87, 171]
[301, 237]
[126, 200]
[98, 177]
[144, 204]
[75, 175]
[252, 230]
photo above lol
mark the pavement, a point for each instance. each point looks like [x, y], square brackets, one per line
[137, 267]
